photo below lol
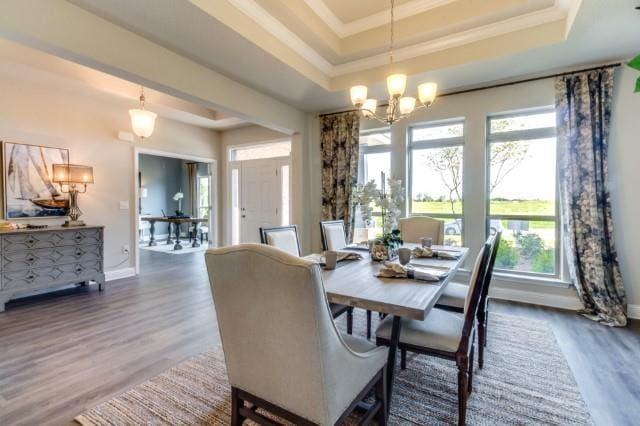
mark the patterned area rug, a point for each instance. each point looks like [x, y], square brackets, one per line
[525, 381]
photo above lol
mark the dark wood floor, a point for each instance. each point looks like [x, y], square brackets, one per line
[65, 352]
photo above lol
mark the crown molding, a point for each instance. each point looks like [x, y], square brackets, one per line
[345, 29]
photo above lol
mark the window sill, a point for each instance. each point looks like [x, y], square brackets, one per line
[525, 279]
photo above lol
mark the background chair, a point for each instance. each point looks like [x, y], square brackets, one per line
[445, 334]
[286, 238]
[334, 237]
[455, 294]
[283, 351]
[416, 227]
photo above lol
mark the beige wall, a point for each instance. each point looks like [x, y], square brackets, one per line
[88, 126]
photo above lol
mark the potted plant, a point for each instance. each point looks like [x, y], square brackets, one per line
[384, 246]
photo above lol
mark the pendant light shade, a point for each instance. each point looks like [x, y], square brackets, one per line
[396, 83]
[142, 121]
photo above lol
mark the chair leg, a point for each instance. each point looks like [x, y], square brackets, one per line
[486, 323]
[481, 343]
[463, 384]
[350, 320]
[236, 404]
[381, 395]
[471, 361]
[368, 324]
[403, 359]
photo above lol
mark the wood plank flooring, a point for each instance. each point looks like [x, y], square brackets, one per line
[64, 352]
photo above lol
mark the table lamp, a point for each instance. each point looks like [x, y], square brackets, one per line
[73, 179]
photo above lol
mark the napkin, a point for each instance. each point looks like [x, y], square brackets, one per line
[395, 270]
[348, 255]
[449, 255]
[422, 252]
[441, 254]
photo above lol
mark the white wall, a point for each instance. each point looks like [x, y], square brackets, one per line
[474, 108]
[88, 126]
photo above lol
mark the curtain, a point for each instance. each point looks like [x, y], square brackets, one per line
[339, 137]
[583, 108]
[192, 176]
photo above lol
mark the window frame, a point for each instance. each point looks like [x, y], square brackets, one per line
[375, 149]
[524, 135]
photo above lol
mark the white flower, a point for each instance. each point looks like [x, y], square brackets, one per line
[178, 196]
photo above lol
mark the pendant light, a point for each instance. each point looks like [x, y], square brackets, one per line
[142, 121]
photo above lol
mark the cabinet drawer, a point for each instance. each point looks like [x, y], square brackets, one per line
[45, 277]
[36, 240]
[39, 258]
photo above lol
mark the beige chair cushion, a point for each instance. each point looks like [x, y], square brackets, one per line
[334, 235]
[414, 228]
[286, 240]
[441, 330]
[454, 295]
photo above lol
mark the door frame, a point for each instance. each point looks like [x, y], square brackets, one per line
[231, 165]
[213, 171]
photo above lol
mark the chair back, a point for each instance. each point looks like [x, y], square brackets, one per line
[333, 235]
[279, 340]
[282, 237]
[495, 245]
[416, 227]
[473, 295]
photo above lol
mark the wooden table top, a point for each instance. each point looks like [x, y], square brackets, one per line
[174, 220]
[354, 283]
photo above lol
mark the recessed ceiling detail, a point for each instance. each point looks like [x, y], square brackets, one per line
[338, 43]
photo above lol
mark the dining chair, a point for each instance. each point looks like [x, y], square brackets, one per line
[445, 334]
[454, 295]
[414, 228]
[334, 237]
[282, 350]
[286, 238]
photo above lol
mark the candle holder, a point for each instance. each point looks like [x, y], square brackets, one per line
[73, 180]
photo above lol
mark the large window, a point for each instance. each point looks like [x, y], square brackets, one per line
[436, 157]
[375, 159]
[522, 191]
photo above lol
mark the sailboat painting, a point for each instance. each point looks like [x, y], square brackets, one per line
[28, 188]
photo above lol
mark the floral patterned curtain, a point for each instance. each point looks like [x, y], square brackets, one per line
[583, 105]
[340, 137]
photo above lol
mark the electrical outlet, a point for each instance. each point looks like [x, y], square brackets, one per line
[125, 249]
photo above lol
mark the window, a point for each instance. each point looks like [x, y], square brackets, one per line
[522, 191]
[204, 193]
[435, 175]
[375, 159]
[264, 150]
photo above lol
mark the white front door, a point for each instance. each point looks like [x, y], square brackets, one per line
[260, 197]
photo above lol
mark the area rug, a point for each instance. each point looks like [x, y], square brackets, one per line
[525, 381]
[163, 247]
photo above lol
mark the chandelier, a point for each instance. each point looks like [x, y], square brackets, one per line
[142, 120]
[398, 106]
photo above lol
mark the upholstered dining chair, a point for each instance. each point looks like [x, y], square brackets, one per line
[445, 334]
[414, 228]
[334, 237]
[286, 238]
[455, 294]
[282, 350]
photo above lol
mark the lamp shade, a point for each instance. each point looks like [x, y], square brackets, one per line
[427, 93]
[358, 95]
[72, 174]
[369, 107]
[142, 122]
[407, 104]
[396, 83]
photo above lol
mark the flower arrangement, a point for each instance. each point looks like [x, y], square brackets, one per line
[178, 196]
[390, 203]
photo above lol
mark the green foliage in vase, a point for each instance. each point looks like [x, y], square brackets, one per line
[635, 64]
[391, 239]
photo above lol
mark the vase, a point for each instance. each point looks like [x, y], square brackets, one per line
[380, 252]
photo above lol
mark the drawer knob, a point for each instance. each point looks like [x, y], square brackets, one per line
[31, 241]
[30, 277]
[78, 270]
[31, 259]
[78, 253]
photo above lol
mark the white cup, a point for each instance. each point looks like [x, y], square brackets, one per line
[404, 255]
[330, 259]
[426, 242]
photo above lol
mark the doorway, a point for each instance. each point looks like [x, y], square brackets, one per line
[259, 193]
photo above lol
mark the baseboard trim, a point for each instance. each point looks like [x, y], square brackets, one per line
[117, 274]
[633, 311]
[543, 299]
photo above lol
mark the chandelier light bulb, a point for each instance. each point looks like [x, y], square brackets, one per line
[427, 93]
[407, 104]
[396, 83]
[369, 107]
[358, 95]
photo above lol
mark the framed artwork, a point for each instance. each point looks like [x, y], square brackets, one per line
[28, 190]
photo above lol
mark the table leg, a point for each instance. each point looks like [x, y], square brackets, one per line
[177, 246]
[391, 360]
[194, 232]
[169, 240]
[152, 231]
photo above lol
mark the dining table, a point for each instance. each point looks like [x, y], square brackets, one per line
[354, 283]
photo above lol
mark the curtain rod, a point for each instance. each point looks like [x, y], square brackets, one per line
[493, 86]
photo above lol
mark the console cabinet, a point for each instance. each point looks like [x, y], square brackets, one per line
[34, 259]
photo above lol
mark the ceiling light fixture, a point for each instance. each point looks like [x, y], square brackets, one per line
[398, 106]
[142, 121]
